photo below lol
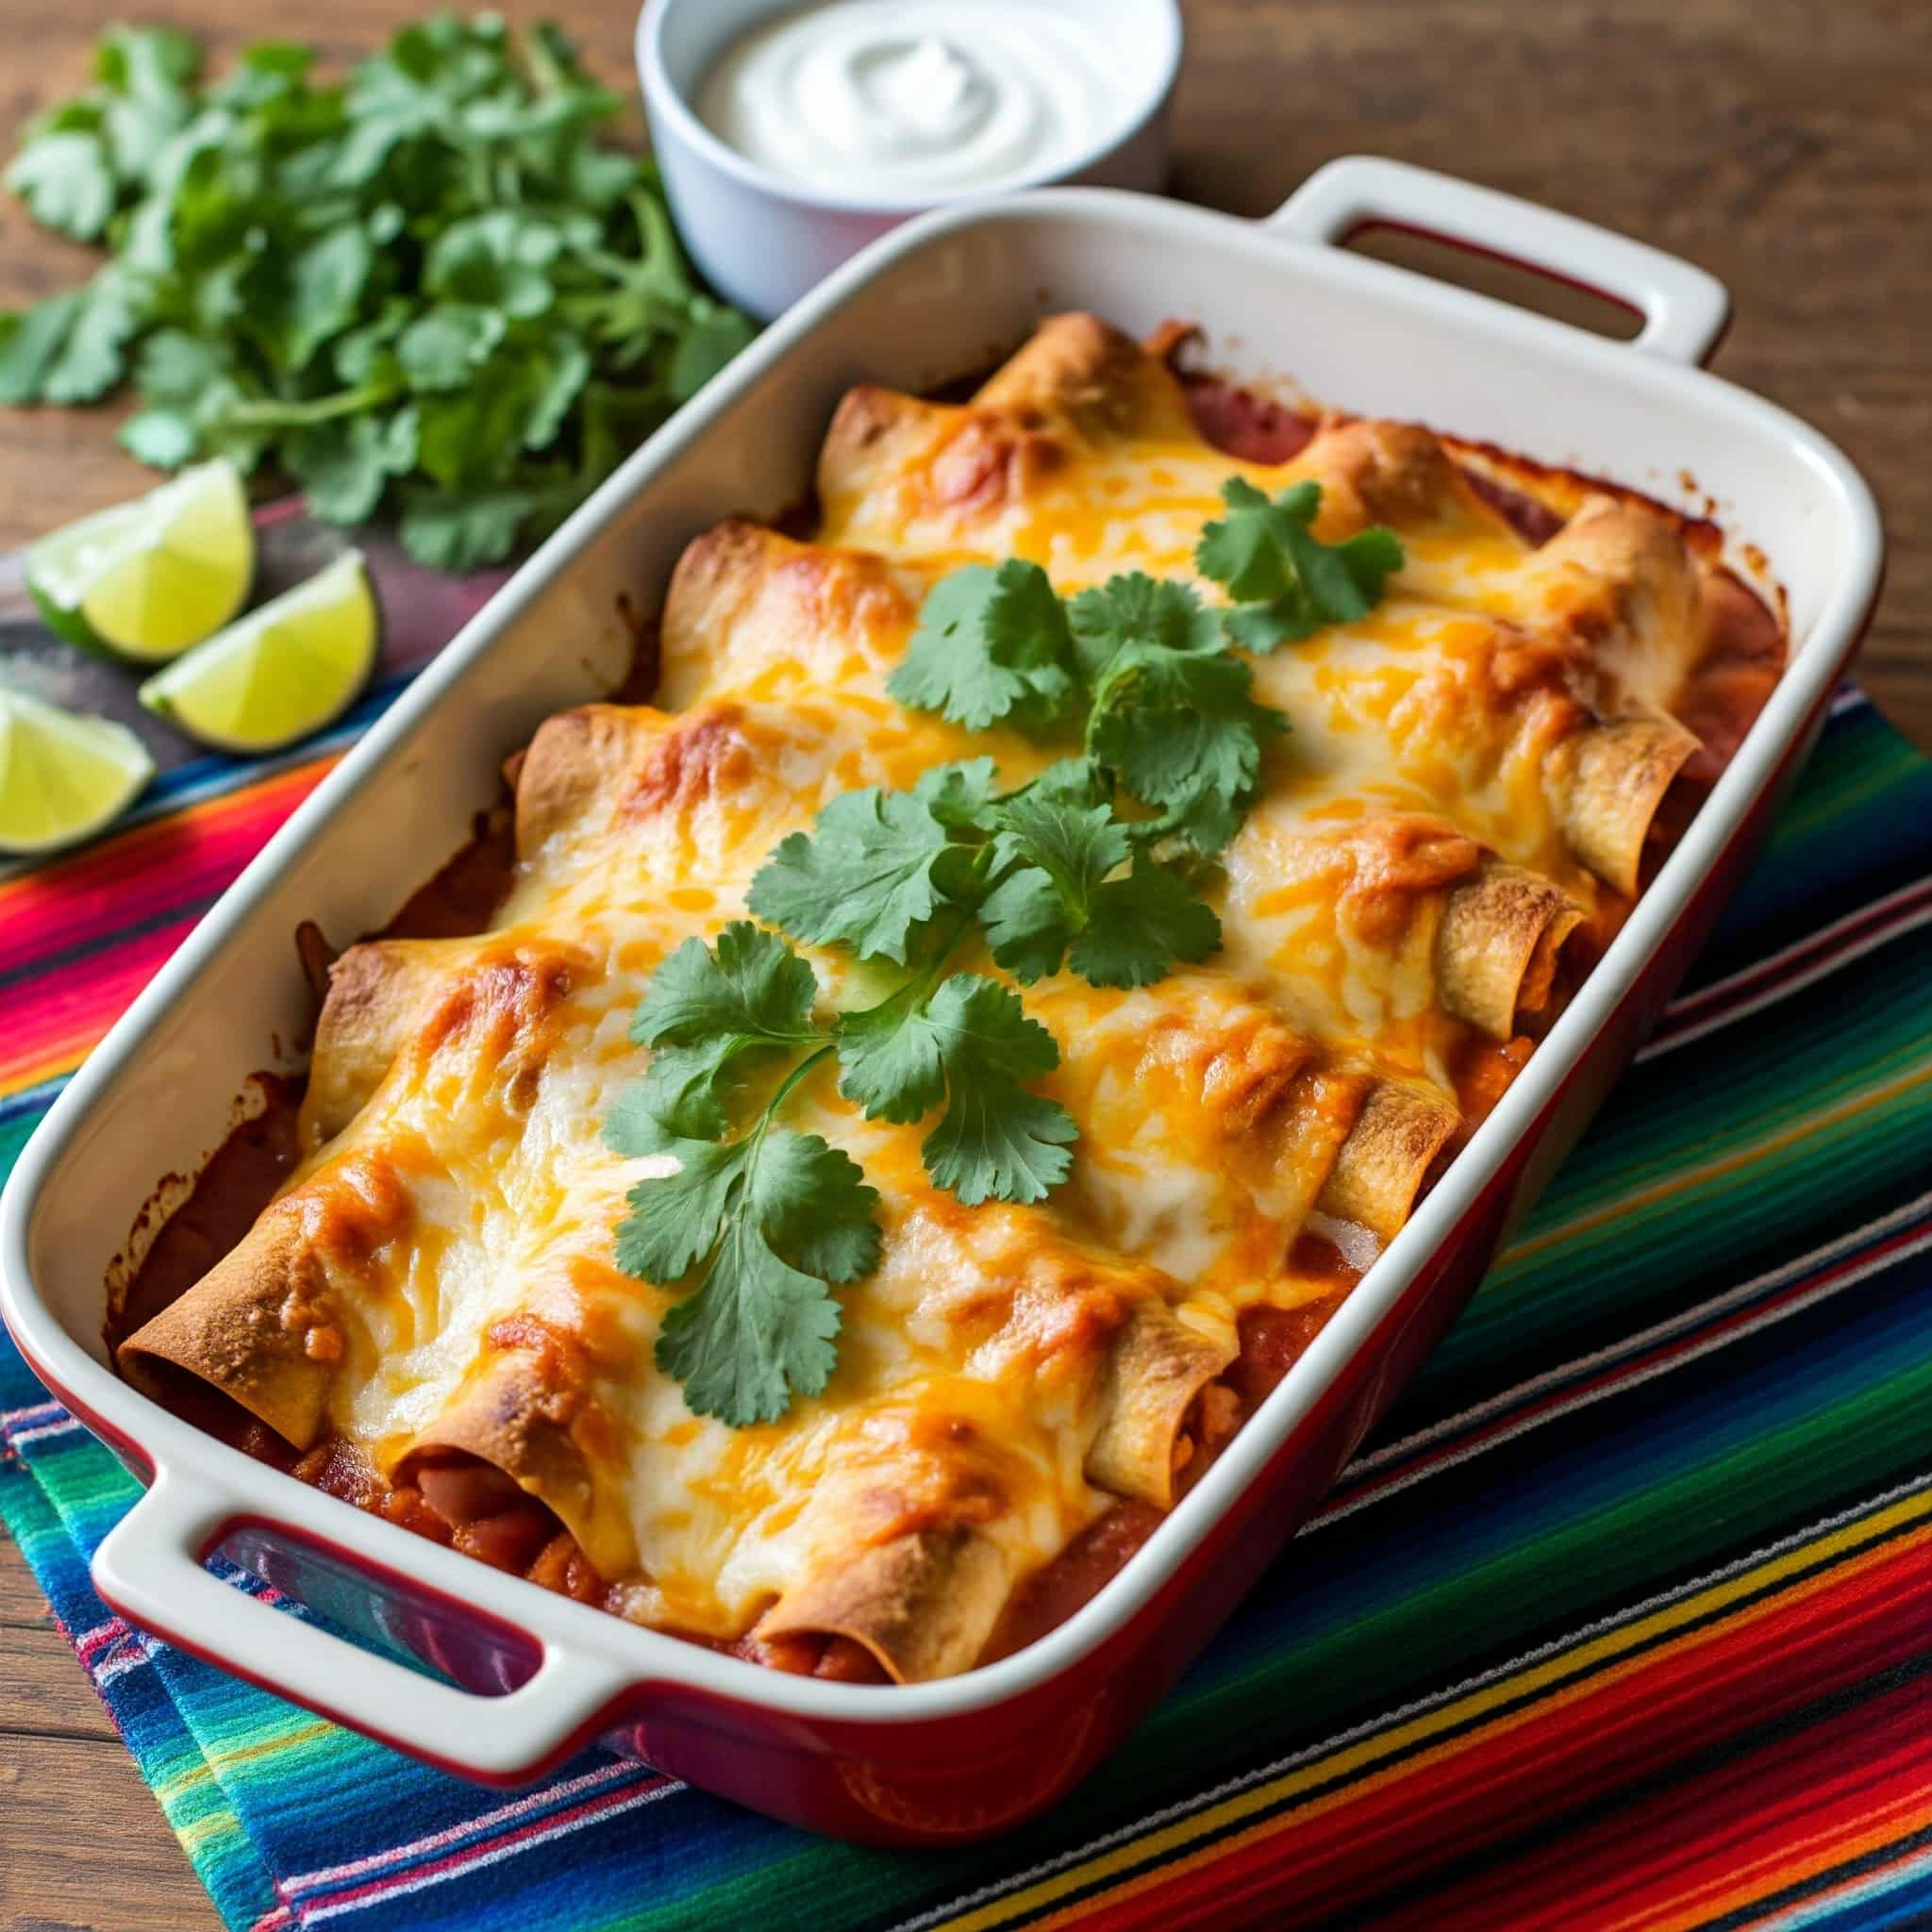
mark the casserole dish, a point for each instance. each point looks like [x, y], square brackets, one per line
[975, 1753]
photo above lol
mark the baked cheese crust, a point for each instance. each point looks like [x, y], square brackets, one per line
[1457, 817]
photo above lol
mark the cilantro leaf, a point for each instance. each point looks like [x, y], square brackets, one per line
[66, 182]
[716, 334]
[460, 529]
[770, 1220]
[1029, 924]
[440, 350]
[1136, 927]
[559, 366]
[1180, 729]
[814, 1204]
[959, 794]
[495, 260]
[709, 1011]
[1063, 903]
[158, 437]
[176, 369]
[344, 467]
[93, 354]
[752, 982]
[676, 1216]
[891, 1061]
[1074, 781]
[864, 877]
[30, 343]
[1287, 583]
[996, 1139]
[969, 1045]
[1077, 844]
[992, 642]
[1158, 611]
[759, 1329]
[148, 74]
[774, 1218]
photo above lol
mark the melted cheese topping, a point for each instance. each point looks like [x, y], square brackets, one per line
[1213, 1105]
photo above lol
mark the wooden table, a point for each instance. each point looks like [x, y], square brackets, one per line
[1777, 142]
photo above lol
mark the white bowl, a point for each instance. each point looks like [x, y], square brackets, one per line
[762, 239]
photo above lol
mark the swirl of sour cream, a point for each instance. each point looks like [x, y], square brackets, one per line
[912, 99]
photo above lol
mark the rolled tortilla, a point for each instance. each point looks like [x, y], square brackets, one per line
[888, 457]
[747, 606]
[923, 1603]
[1387, 1157]
[1410, 896]
[526, 1406]
[580, 768]
[1615, 595]
[1082, 373]
[1397, 474]
[494, 1000]
[1612, 777]
[380, 993]
[258, 1327]
[1155, 1370]
[1619, 577]
[698, 794]
[1497, 945]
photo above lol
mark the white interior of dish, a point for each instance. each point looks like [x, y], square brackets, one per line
[933, 300]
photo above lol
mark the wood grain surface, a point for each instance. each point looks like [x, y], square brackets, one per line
[1781, 143]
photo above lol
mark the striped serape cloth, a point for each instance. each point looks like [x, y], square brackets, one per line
[1624, 1619]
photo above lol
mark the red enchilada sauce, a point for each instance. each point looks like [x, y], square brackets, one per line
[471, 1507]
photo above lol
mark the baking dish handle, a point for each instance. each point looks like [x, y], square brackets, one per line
[149, 1569]
[1684, 307]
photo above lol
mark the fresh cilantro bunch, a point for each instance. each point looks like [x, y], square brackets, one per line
[429, 288]
[763, 1222]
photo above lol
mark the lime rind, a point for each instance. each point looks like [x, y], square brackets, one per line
[282, 671]
[148, 579]
[63, 777]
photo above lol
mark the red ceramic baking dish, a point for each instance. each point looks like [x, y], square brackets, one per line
[531, 1674]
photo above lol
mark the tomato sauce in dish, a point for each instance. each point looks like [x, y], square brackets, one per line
[1241, 423]
[240, 1179]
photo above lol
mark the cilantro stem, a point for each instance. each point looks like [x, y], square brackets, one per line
[791, 1080]
[271, 413]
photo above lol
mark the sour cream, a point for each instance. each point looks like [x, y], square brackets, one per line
[902, 100]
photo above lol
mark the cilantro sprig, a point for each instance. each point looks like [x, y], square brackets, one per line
[1285, 583]
[1050, 873]
[765, 1219]
[428, 288]
[1141, 668]
[1139, 671]
[760, 1223]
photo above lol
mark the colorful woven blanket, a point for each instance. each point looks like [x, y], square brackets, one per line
[1624, 1619]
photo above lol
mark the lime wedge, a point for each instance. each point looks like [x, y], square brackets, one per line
[279, 673]
[62, 776]
[148, 578]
